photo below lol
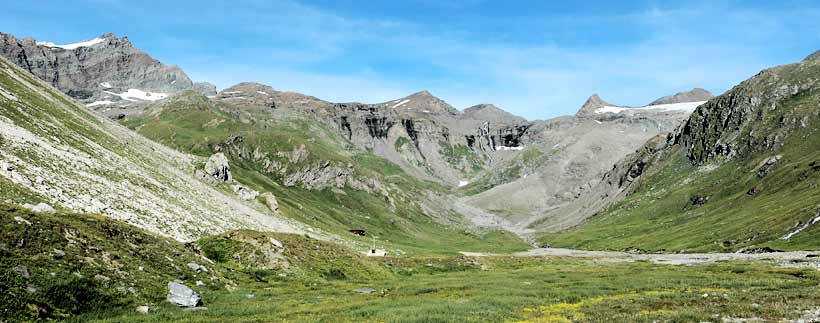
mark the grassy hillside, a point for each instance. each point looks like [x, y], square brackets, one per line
[54, 150]
[389, 209]
[695, 199]
[57, 266]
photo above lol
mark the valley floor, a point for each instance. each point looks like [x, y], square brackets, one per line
[566, 286]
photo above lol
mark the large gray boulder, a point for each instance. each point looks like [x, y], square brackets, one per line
[182, 296]
[217, 169]
[270, 201]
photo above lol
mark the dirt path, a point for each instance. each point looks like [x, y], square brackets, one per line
[809, 259]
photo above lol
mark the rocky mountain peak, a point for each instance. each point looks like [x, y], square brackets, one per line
[694, 95]
[490, 112]
[813, 57]
[422, 102]
[593, 103]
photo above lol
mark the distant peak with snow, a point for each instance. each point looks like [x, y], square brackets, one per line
[592, 104]
[84, 43]
[681, 102]
[421, 102]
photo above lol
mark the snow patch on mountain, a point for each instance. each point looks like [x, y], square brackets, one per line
[96, 103]
[685, 106]
[85, 43]
[136, 95]
[403, 102]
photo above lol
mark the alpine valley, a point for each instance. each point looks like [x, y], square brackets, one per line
[131, 193]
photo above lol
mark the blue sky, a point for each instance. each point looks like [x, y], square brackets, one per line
[537, 59]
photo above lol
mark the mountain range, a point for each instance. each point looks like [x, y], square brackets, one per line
[505, 172]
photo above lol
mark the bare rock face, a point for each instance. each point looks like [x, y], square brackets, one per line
[103, 72]
[270, 201]
[217, 169]
[182, 296]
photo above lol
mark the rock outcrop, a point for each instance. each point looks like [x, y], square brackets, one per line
[217, 170]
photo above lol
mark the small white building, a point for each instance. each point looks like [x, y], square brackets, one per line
[377, 253]
[373, 252]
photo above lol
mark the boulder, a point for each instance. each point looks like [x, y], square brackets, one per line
[21, 220]
[244, 193]
[270, 200]
[217, 169]
[58, 254]
[182, 296]
[22, 271]
[197, 267]
[143, 309]
[40, 208]
[102, 278]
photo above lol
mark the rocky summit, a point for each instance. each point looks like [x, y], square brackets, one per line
[106, 73]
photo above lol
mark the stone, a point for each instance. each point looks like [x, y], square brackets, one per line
[197, 267]
[200, 283]
[217, 169]
[21, 220]
[22, 271]
[276, 243]
[182, 295]
[58, 254]
[143, 309]
[102, 278]
[244, 193]
[40, 208]
[270, 201]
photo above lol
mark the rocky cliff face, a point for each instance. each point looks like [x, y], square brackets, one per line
[733, 124]
[104, 72]
[423, 134]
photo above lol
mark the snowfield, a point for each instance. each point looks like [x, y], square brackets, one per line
[85, 43]
[137, 95]
[685, 106]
